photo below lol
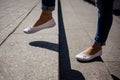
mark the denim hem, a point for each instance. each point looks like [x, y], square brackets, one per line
[98, 43]
[48, 8]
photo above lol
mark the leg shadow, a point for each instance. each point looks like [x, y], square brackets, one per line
[116, 12]
[47, 45]
[114, 77]
[65, 71]
[90, 1]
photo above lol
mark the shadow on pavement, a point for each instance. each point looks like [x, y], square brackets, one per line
[114, 77]
[116, 12]
[65, 71]
[47, 45]
[89, 1]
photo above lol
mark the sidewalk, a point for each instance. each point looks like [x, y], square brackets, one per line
[50, 54]
[80, 20]
[28, 57]
[12, 13]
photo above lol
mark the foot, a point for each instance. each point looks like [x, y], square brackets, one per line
[45, 21]
[90, 53]
[49, 24]
[45, 17]
[92, 50]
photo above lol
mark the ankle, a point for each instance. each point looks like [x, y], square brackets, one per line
[44, 17]
[98, 47]
[46, 14]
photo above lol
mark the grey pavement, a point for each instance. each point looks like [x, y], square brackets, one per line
[50, 54]
[80, 20]
[27, 57]
[12, 13]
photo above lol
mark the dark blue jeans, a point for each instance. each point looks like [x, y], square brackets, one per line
[48, 5]
[105, 18]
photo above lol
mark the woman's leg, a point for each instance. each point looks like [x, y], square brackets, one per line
[45, 20]
[47, 7]
[105, 18]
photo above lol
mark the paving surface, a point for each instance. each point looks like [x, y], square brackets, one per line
[28, 57]
[50, 54]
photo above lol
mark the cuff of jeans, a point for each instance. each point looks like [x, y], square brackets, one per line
[48, 8]
[98, 43]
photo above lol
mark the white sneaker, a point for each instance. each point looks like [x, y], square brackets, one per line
[51, 23]
[82, 57]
